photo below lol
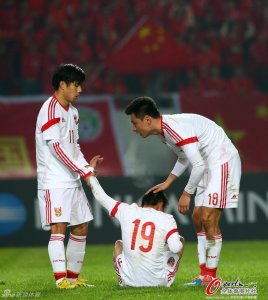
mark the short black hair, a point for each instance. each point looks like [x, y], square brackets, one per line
[143, 106]
[68, 73]
[152, 199]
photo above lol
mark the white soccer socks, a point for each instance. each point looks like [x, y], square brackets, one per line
[201, 251]
[75, 253]
[57, 255]
[213, 254]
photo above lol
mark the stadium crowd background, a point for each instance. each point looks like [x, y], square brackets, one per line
[228, 41]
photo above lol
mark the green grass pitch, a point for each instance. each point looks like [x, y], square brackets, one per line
[26, 271]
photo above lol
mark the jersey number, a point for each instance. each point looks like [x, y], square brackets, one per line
[213, 198]
[71, 136]
[147, 233]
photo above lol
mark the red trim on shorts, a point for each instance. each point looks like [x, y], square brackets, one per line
[48, 207]
[171, 232]
[115, 209]
[50, 123]
[187, 141]
[117, 267]
[224, 180]
[174, 272]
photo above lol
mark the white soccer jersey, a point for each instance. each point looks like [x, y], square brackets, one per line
[145, 232]
[60, 162]
[196, 139]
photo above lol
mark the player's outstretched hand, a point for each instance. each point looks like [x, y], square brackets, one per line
[159, 187]
[95, 161]
[184, 203]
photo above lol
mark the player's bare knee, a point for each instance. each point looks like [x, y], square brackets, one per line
[205, 220]
[196, 219]
[58, 228]
[118, 245]
[81, 229]
[207, 223]
[182, 240]
[118, 248]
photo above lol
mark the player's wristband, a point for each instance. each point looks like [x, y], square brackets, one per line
[91, 169]
[91, 172]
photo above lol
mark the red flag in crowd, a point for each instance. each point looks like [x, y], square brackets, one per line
[147, 47]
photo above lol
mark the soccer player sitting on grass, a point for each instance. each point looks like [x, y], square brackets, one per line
[151, 248]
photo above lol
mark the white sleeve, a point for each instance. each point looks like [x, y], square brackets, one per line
[172, 236]
[174, 243]
[77, 166]
[180, 166]
[78, 153]
[106, 201]
[80, 156]
[198, 169]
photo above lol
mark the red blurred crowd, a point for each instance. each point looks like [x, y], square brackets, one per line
[228, 40]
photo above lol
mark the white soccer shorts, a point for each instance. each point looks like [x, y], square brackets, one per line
[64, 206]
[219, 187]
[171, 265]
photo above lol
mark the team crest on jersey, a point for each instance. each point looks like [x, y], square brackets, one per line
[76, 119]
[58, 211]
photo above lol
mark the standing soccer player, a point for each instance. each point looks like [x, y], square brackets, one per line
[215, 174]
[60, 164]
[151, 247]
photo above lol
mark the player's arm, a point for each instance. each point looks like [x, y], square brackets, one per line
[174, 240]
[78, 153]
[198, 169]
[51, 133]
[78, 166]
[99, 194]
[80, 156]
[180, 167]
[178, 170]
